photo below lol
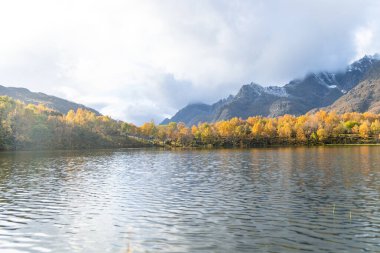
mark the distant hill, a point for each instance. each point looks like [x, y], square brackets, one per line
[194, 113]
[315, 90]
[28, 97]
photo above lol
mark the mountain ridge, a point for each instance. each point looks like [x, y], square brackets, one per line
[314, 90]
[59, 104]
[364, 97]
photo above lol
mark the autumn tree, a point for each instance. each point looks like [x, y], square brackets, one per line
[364, 129]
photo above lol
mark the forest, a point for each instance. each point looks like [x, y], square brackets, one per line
[28, 127]
[310, 129]
[36, 127]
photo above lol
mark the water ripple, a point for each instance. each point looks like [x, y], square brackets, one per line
[259, 200]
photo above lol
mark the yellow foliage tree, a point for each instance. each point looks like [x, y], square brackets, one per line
[364, 130]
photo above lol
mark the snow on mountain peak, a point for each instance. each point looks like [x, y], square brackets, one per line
[271, 90]
[327, 79]
[364, 63]
[276, 91]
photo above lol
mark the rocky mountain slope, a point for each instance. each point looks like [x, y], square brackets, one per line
[28, 97]
[299, 96]
[363, 97]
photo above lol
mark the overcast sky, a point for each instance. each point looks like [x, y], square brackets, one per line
[142, 60]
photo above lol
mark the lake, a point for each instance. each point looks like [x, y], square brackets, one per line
[320, 199]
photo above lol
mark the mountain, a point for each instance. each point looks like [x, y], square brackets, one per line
[363, 97]
[194, 113]
[28, 97]
[315, 90]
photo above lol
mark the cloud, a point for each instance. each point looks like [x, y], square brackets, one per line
[145, 59]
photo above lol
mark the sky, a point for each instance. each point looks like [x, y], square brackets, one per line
[144, 60]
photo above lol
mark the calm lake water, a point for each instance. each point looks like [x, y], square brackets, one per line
[323, 199]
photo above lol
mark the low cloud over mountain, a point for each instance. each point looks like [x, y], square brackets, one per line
[354, 89]
[143, 60]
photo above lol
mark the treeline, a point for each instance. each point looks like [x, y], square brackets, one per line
[27, 127]
[310, 129]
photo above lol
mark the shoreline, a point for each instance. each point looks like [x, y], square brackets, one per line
[171, 148]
